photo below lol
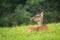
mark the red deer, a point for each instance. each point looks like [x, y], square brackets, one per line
[39, 19]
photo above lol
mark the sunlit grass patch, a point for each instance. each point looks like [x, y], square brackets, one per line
[19, 33]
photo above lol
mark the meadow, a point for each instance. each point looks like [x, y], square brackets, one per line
[19, 33]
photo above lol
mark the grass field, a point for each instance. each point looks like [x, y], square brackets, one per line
[19, 33]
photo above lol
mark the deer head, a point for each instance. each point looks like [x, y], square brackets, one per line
[38, 18]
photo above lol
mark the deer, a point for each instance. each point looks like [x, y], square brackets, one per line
[40, 23]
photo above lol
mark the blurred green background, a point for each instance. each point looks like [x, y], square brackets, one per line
[18, 12]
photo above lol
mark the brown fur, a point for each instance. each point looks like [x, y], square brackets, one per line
[37, 28]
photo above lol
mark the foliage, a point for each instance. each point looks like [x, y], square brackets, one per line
[17, 12]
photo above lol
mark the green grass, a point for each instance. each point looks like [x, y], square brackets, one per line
[19, 33]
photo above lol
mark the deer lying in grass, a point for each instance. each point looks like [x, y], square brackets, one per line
[39, 19]
[36, 28]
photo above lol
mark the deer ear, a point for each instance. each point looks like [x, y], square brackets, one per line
[42, 13]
